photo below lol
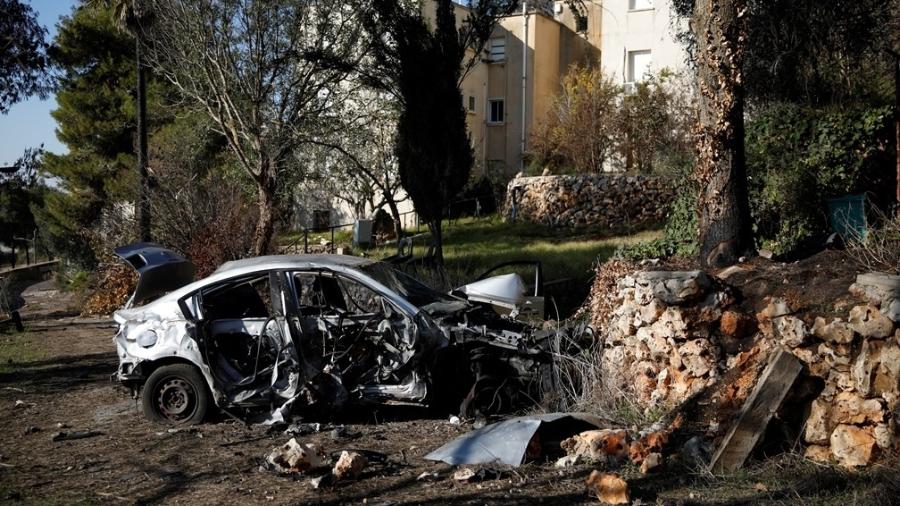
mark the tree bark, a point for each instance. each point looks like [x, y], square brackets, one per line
[395, 216]
[265, 223]
[723, 206]
[437, 241]
[143, 207]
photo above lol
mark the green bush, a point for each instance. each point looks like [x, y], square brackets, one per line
[798, 157]
[679, 234]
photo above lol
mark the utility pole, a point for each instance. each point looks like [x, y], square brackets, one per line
[524, 81]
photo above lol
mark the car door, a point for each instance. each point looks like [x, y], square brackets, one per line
[246, 340]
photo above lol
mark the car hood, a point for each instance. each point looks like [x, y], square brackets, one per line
[160, 270]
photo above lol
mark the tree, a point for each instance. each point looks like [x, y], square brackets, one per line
[24, 66]
[20, 191]
[580, 132]
[96, 120]
[359, 163]
[266, 72]
[720, 31]
[132, 16]
[422, 67]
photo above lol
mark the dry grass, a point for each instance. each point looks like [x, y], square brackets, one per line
[878, 249]
[116, 282]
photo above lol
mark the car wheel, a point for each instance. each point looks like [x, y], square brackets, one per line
[177, 394]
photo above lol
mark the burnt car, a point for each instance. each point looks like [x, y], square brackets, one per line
[275, 337]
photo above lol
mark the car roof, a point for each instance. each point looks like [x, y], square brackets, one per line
[291, 261]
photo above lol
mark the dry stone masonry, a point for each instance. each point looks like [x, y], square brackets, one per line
[589, 200]
[675, 333]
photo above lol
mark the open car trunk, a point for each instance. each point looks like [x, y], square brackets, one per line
[160, 270]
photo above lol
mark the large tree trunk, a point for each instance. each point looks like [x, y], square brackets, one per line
[723, 206]
[395, 216]
[265, 223]
[143, 207]
[437, 242]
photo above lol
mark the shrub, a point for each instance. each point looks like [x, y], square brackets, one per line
[680, 233]
[799, 157]
[593, 124]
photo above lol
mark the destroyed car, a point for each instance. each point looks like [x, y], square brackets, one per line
[307, 335]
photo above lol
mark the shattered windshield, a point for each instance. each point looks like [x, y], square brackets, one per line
[417, 293]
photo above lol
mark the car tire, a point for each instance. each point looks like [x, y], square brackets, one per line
[175, 394]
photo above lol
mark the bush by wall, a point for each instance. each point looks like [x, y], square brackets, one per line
[798, 157]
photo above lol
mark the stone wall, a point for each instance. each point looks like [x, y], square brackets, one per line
[589, 200]
[673, 334]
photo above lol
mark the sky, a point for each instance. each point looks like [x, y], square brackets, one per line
[28, 123]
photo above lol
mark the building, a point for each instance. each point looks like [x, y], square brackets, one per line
[509, 93]
[511, 88]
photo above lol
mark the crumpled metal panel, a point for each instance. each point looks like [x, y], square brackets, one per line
[506, 442]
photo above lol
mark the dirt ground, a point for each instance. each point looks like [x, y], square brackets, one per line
[65, 379]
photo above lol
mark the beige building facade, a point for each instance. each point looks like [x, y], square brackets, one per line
[510, 91]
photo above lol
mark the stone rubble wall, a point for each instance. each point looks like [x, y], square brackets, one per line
[675, 333]
[589, 200]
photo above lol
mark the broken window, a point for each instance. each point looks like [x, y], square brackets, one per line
[243, 335]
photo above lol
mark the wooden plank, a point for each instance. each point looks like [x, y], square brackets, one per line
[770, 391]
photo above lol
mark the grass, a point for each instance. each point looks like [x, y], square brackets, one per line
[18, 349]
[783, 479]
[474, 245]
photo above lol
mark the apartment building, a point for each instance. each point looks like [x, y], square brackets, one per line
[512, 88]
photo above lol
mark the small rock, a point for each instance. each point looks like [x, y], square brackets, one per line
[464, 474]
[31, 429]
[851, 408]
[568, 461]
[604, 445]
[837, 331]
[349, 465]
[651, 462]
[736, 324]
[454, 420]
[818, 453]
[869, 322]
[294, 457]
[853, 446]
[609, 488]
[767, 254]
[428, 476]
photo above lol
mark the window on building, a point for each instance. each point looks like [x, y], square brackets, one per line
[581, 24]
[638, 5]
[471, 103]
[638, 66]
[497, 49]
[496, 111]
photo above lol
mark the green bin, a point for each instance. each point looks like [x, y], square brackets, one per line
[847, 216]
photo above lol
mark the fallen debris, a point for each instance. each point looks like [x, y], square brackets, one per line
[294, 457]
[652, 462]
[569, 461]
[428, 476]
[469, 475]
[758, 409]
[70, 436]
[511, 441]
[605, 446]
[349, 465]
[609, 488]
